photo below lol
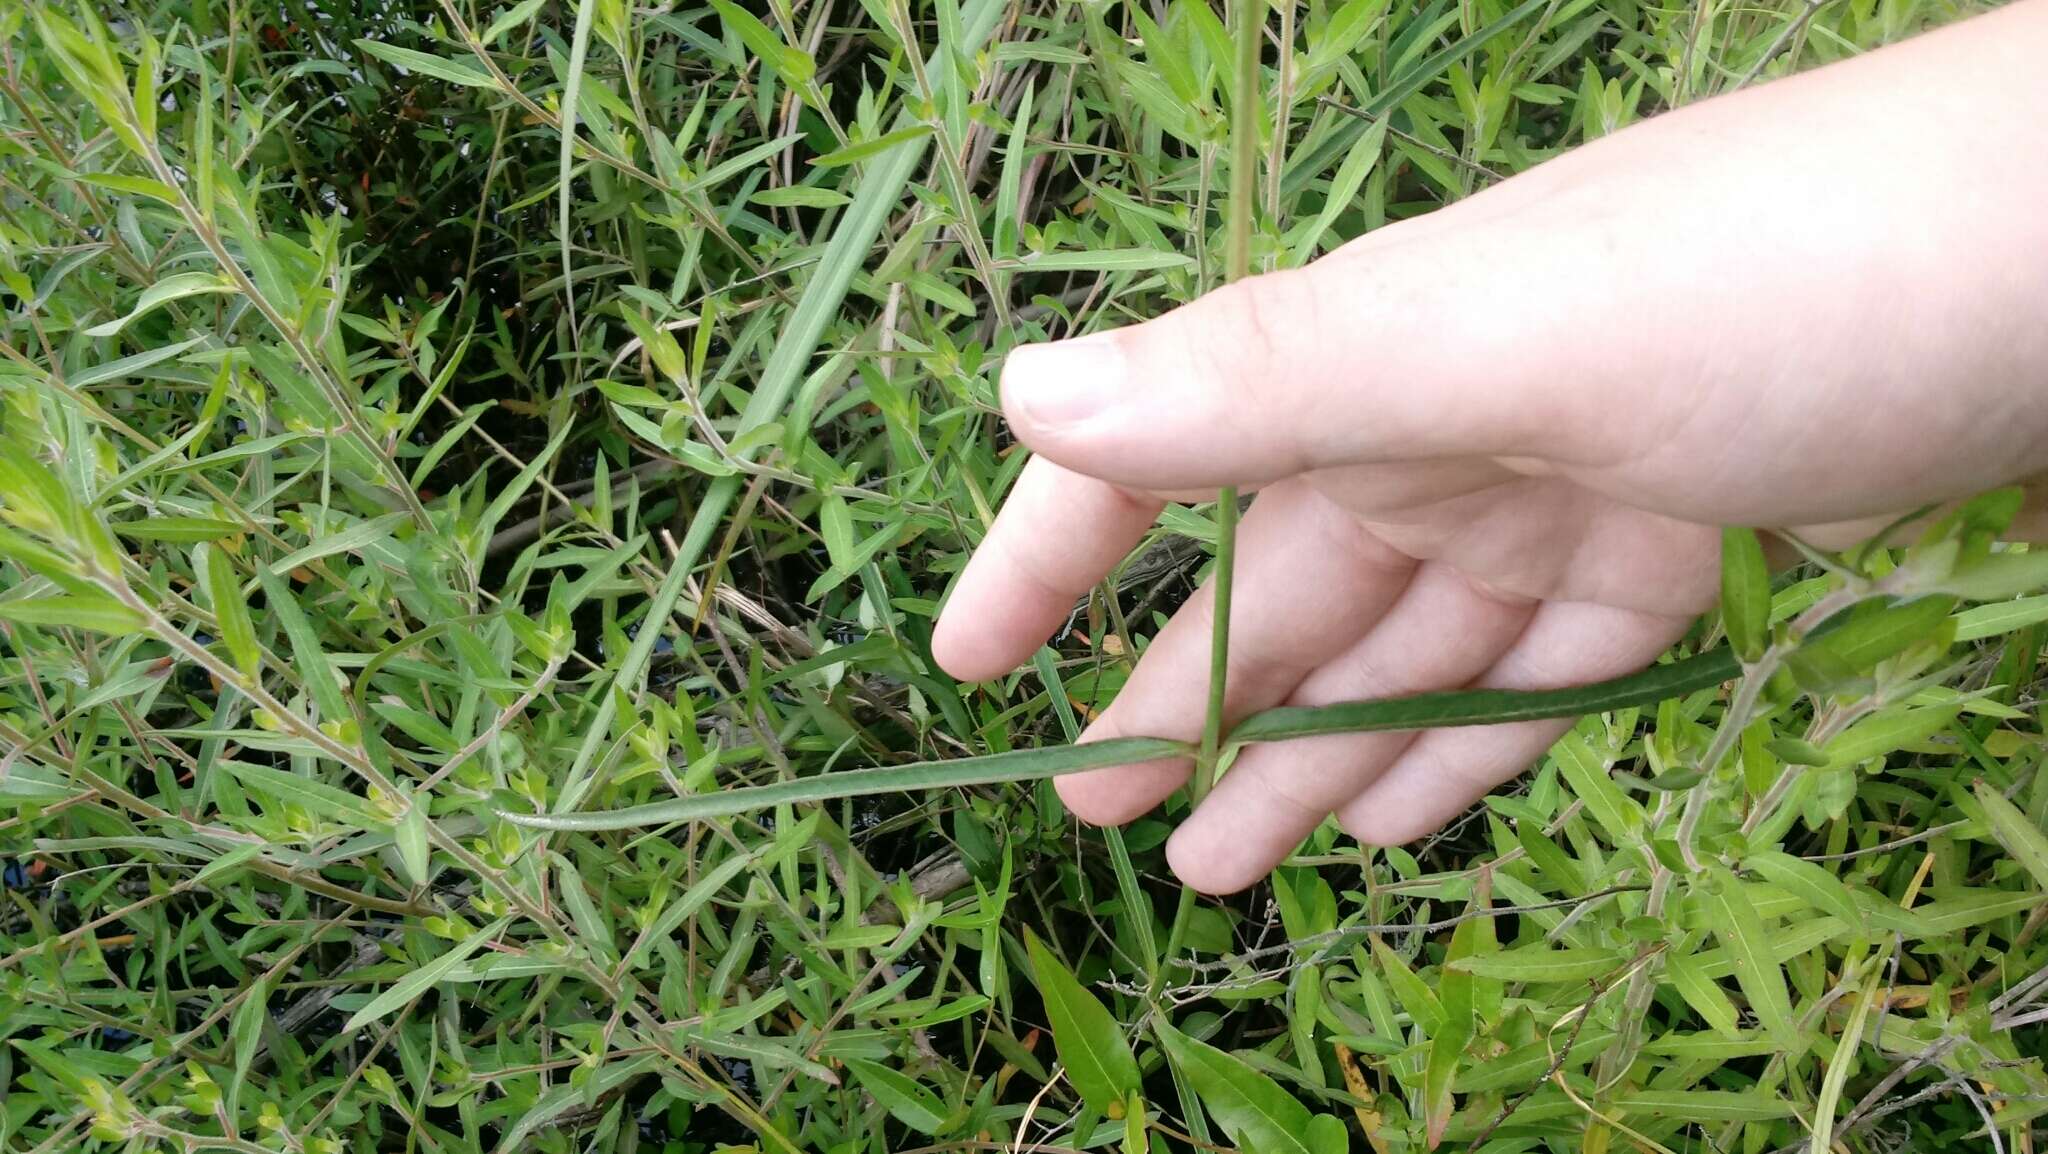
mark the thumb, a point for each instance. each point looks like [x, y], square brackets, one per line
[1411, 344]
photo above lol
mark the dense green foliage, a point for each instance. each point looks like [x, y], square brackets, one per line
[384, 450]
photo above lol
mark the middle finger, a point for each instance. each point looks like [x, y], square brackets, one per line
[1310, 580]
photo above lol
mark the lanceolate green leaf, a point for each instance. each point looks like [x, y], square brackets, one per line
[869, 149]
[1701, 992]
[1807, 882]
[175, 287]
[579, 48]
[2001, 575]
[1458, 989]
[1704, 1105]
[419, 981]
[1251, 1107]
[1587, 774]
[1839, 1069]
[317, 798]
[130, 366]
[1756, 970]
[693, 899]
[1107, 260]
[1955, 910]
[73, 611]
[1541, 963]
[427, 64]
[307, 654]
[2001, 617]
[230, 612]
[906, 1100]
[1870, 634]
[1415, 994]
[1745, 592]
[1888, 729]
[410, 834]
[2016, 832]
[1313, 164]
[568, 1096]
[1090, 1042]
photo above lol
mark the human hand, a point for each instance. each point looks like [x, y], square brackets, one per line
[1491, 444]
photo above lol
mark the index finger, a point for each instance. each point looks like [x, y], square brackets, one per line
[1058, 534]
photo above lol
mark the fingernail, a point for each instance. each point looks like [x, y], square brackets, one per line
[1064, 382]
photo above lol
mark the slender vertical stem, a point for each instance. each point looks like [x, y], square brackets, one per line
[1219, 643]
[1246, 29]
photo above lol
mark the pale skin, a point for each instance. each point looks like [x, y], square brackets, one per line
[1493, 445]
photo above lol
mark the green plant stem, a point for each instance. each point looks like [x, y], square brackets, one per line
[1219, 645]
[1175, 934]
[1245, 34]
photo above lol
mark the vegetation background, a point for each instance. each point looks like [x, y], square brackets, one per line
[416, 412]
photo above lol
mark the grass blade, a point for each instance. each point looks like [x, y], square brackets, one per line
[1424, 711]
[1017, 765]
[1493, 706]
[579, 50]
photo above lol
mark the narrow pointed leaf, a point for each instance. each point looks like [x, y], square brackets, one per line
[74, 611]
[1808, 882]
[1090, 1042]
[1251, 1107]
[2016, 832]
[1702, 993]
[1541, 963]
[1493, 706]
[1756, 970]
[419, 981]
[426, 64]
[1745, 592]
[906, 1100]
